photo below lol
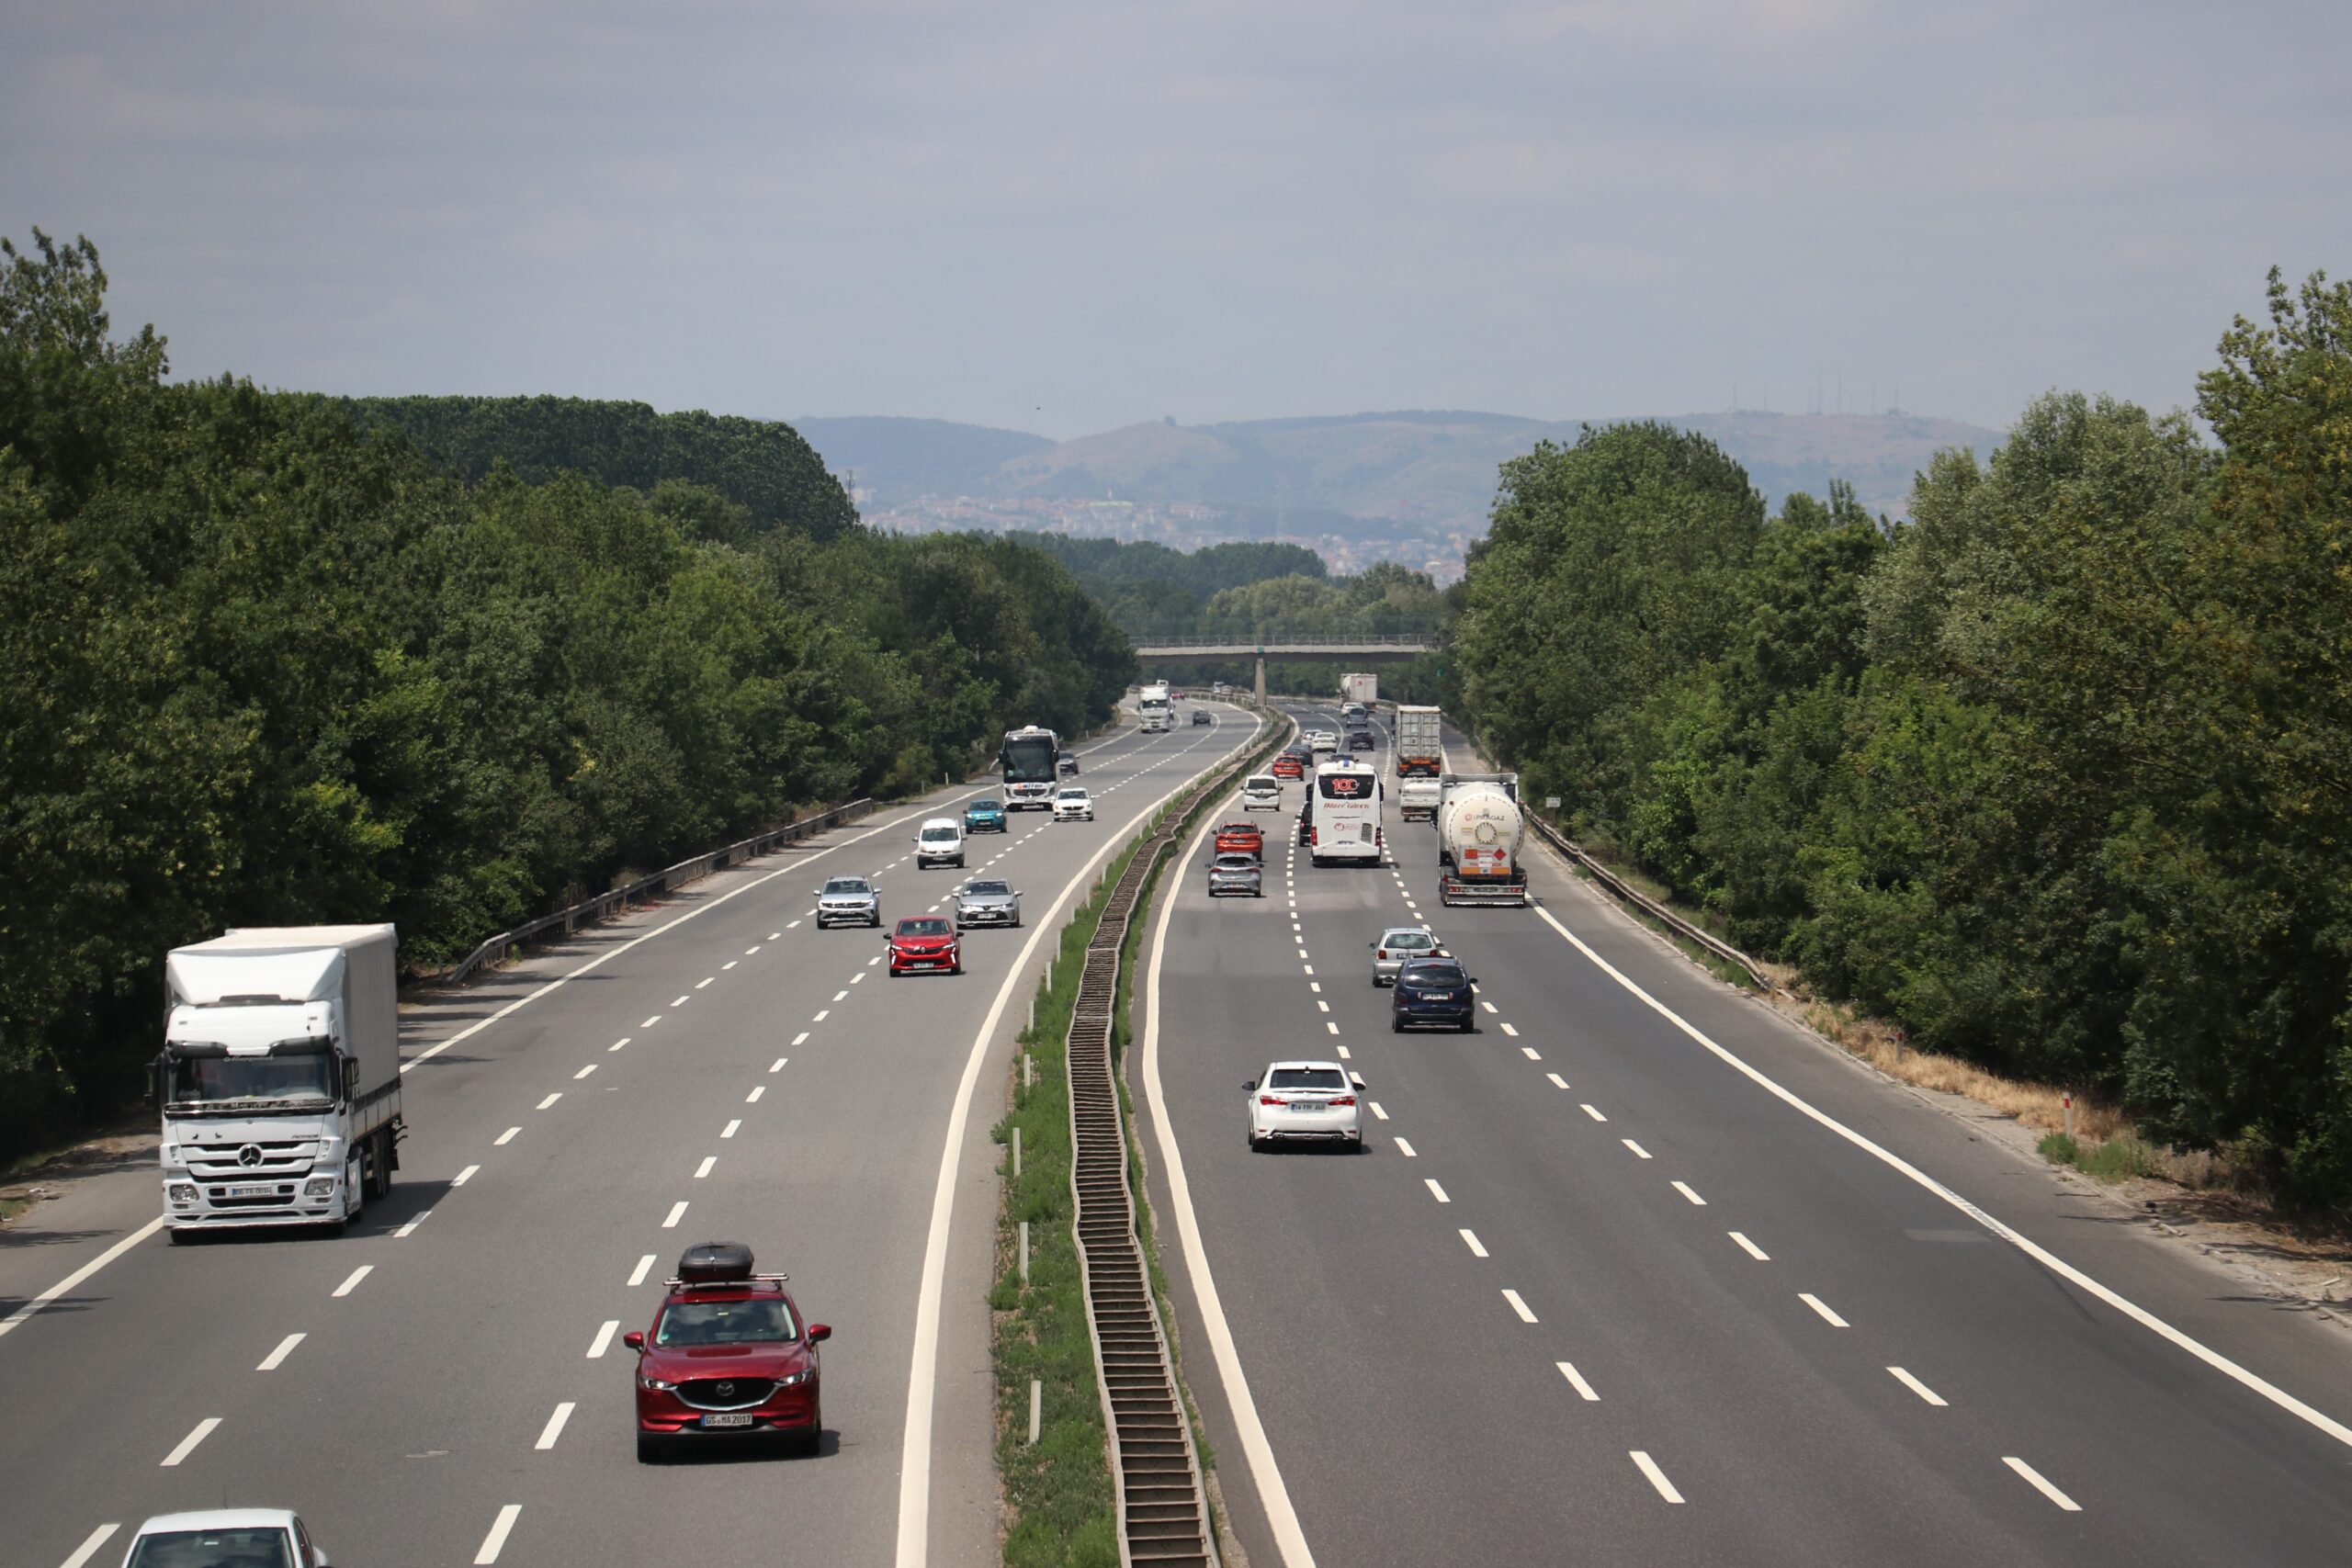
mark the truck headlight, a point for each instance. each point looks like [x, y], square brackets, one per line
[181, 1192]
[319, 1187]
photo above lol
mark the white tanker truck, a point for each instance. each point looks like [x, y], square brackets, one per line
[1479, 829]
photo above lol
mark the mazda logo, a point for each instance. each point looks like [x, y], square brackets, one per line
[250, 1155]
[726, 1390]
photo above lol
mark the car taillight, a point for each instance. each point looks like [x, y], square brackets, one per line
[1344, 1100]
[1382, 952]
[1272, 1099]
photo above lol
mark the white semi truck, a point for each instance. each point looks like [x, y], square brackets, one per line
[1365, 689]
[1479, 830]
[279, 1079]
[1159, 712]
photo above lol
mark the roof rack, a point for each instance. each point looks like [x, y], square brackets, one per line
[735, 1283]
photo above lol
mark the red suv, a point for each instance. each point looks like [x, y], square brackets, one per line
[728, 1353]
[1288, 767]
[1240, 838]
[925, 941]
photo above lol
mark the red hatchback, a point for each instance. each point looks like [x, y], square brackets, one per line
[1241, 838]
[1288, 767]
[925, 941]
[728, 1353]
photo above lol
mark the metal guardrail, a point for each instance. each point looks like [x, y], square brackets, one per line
[605, 905]
[1649, 905]
[1271, 641]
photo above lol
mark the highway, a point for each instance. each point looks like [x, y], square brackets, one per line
[1640, 1272]
[445, 1385]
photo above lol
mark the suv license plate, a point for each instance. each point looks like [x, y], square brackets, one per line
[741, 1420]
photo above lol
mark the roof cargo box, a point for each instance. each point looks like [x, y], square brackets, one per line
[713, 1262]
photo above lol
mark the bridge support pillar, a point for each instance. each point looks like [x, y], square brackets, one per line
[1262, 679]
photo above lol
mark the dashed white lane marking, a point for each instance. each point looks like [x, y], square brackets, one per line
[352, 1280]
[754, 1098]
[583, 1072]
[841, 995]
[651, 1021]
[402, 1233]
[873, 960]
[748, 952]
[1648, 1467]
[682, 1000]
[1376, 1110]
[1817, 1304]
[1332, 1027]
[1510, 1030]
[704, 981]
[1749, 1248]
[1684, 1188]
[1324, 1005]
[801, 1038]
[853, 979]
[1404, 1148]
[2033, 1478]
[1518, 1306]
[1344, 1055]
[677, 1212]
[778, 1065]
[603, 1342]
[618, 1044]
[823, 1013]
[204, 1430]
[729, 1131]
[1435, 1191]
[1575, 1380]
[733, 961]
[1529, 1053]
[505, 1138]
[548, 1100]
[1489, 1006]
[644, 1267]
[792, 925]
[1916, 1386]
[704, 1168]
[464, 1176]
[1639, 1152]
[1308, 968]
[90, 1544]
[496, 1541]
[554, 1428]
[1557, 1080]
[277, 1357]
[1315, 987]
[773, 936]
[1594, 1112]
[1470, 1240]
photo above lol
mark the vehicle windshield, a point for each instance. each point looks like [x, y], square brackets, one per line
[1306, 1077]
[937, 834]
[261, 1546]
[1411, 940]
[846, 885]
[988, 889]
[1073, 794]
[926, 925]
[1426, 974]
[1263, 781]
[221, 1080]
[751, 1322]
[984, 805]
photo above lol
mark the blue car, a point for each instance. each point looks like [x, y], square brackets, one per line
[1431, 990]
[984, 816]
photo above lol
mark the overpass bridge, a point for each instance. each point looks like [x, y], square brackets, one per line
[1385, 648]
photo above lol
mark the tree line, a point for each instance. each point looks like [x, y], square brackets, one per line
[265, 659]
[2054, 772]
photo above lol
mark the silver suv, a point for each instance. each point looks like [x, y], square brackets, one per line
[848, 901]
[1234, 872]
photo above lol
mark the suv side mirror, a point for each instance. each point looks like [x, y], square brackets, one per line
[634, 1339]
[819, 1331]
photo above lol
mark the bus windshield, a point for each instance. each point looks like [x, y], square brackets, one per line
[1030, 759]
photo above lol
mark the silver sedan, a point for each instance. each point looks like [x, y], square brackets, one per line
[1397, 946]
[987, 901]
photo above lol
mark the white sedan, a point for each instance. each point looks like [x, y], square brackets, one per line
[1306, 1102]
[1321, 740]
[1073, 804]
[270, 1536]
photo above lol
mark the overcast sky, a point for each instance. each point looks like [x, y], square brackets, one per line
[1065, 216]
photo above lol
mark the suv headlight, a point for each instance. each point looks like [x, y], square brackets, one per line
[656, 1384]
[797, 1379]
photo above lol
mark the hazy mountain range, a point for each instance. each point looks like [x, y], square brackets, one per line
[1412, 485]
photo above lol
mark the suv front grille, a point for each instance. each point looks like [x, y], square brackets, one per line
[725, 1393]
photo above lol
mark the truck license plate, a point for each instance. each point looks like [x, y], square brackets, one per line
[249, 1192]
[740, 1420]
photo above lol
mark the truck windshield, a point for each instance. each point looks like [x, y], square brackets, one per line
[261, 1546]
[227, 1080]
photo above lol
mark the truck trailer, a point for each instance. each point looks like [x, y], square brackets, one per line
[1365, 689]
[280, 1080]
[1479, 831]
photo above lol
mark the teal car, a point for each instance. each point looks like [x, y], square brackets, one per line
[984, 816]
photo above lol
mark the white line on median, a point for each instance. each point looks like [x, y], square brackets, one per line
[554, 1428]
[1648, 1467]
[603, 1342]
[2033, 1478]
[277, 1357]
[1916, 1386]
[1575, 1380]
[204, 1430]
[1817, 1304]
[496, 1541]
[1518, 1306]
[355, 1276]
[90, 1544]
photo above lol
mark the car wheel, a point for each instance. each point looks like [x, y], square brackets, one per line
[959, 967]
[1256, 1146]
[1396, 1023]
[811, 1443]
[648, 1448]
[1468, 1025]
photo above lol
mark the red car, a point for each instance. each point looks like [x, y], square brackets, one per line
[1240, 838]
[1288, 767]
[925, 941]
[728, 1354]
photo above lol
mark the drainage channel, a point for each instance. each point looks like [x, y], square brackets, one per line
[1162, 1504]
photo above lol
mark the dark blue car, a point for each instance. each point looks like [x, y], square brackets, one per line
[1431, 990]
[984, 816]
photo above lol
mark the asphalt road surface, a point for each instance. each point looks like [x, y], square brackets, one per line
[1639, 1272]
[445, 1385]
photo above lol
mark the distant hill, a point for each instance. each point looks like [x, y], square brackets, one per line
[896, 461]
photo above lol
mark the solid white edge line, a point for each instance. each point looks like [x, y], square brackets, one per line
[2035, 1250]
[496, 1541]
[2034, 1479]
[1648, 1467]
[277, 1357]
[914, 1452]
[90, 1544]
[204, 1430]
[84, 1272]
[1265, 1473]
[1916, 1386]
[554, 1428]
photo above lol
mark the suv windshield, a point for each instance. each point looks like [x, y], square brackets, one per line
[1306, 1077]
[726, 1323]
[256, 1547]
[846, 885]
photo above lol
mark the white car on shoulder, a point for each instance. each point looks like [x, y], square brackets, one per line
[1072, 803]
[1306, 1102]
[272, 1537]
[1261, 792]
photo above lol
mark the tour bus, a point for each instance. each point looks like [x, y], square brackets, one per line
[1344, 813]
[1029, 758]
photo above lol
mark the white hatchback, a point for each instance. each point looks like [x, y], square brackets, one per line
[1261, 792]
[1306, 1102]
[1073, 804]
[939, 841]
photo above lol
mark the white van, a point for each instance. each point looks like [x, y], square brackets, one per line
[1261, 792]
[940, 842]
[1343, 805]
